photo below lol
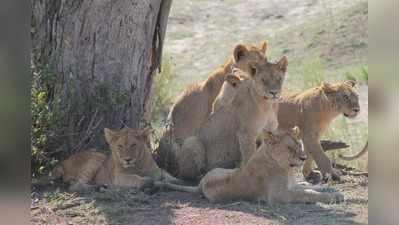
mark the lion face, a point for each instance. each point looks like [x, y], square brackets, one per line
[268, 77]
[288, 148]
[346, 97]
[127, 145]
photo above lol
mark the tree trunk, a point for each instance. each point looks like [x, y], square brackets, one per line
[104, 54]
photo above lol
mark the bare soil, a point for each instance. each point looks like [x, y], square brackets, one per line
[53, 205]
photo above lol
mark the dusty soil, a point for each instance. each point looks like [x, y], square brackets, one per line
[57, 206]
[201, 34]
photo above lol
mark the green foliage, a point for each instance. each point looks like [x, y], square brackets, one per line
[44, 120]
[307, 74]
[163, 86]
[359, 74]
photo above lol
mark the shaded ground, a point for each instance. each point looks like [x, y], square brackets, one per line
[52, 206]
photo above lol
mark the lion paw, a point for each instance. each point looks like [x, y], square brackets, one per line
[335, 176]
[147, 183]
[314, 177]
[338, 197]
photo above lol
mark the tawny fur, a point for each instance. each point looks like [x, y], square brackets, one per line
[227, 137]
[312, 111]
[129, 165]
[267, 176]
[194, 105]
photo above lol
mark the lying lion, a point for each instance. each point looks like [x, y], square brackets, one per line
[193, 106]
[313, 110]
[228, 136]
[268, 176]
[129, 165]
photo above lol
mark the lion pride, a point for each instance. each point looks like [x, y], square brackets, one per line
[228, 135]
[267, 176]
[194, 105]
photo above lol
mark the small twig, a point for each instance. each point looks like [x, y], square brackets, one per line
[229, 205]
[358, 174]
[274, 214]
[328, 145]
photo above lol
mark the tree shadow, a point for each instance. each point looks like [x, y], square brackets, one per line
[129, 206]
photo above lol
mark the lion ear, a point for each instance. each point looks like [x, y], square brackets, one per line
[283, 64]
[327, 87]
[233, 80]
[351, 83]
[263, 47]
[109, 135]
[296, 131]
[239, 51]
[145, 132]
[270, 138]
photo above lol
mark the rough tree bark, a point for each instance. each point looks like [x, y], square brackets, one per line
[104, 54]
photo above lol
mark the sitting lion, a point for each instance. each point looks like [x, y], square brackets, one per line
[193, 106]
[267, 176]
[228, 136]
[312, 111]
[129, 165]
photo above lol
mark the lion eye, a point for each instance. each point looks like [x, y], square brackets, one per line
[133, 145]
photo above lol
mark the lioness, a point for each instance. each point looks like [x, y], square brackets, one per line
[193, 106]
[313, 110]
[129, 165]
[228, 136]
[267, 176]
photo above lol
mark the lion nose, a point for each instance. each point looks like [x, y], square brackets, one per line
[356, 110]
[128, 160]
[275, 94]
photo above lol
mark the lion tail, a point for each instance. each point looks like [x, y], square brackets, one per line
[353, 157]
[176, 187]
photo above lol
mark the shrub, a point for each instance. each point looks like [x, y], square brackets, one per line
[44, 120]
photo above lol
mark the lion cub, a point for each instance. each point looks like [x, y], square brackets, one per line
[228, 135]
[129, 165]
[268, 176]
[313, 110]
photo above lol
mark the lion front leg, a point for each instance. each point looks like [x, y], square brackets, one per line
[191, 158]
[132, 180]
[247, 144]
[303, 195]
[314, 149]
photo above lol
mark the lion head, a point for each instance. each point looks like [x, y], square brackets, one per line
[345, 97]
[243, 55]
[267, 78]
[285, 147]
[128, 145]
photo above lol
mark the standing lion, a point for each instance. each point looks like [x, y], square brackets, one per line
[312, 111]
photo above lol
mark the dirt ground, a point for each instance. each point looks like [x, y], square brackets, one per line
[53, 205]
